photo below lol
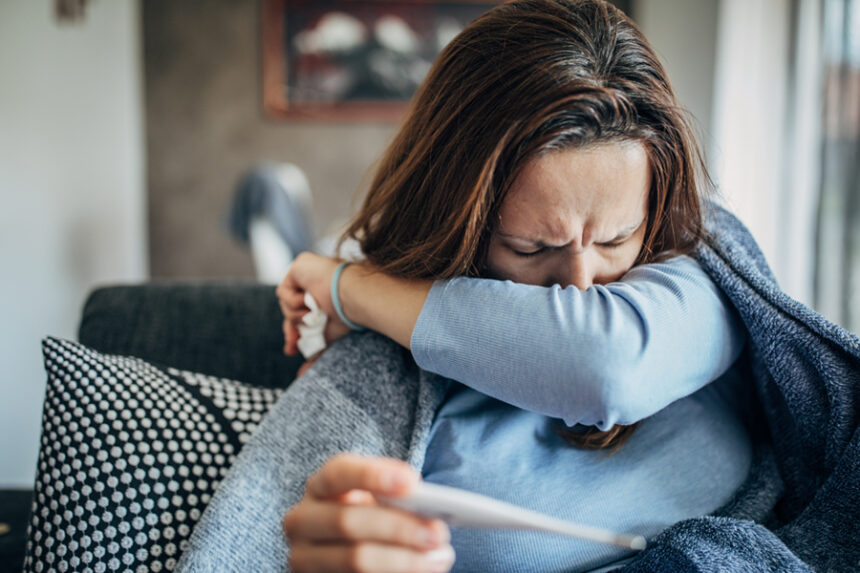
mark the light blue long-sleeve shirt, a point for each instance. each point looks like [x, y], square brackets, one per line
[685, 461]
[643, 347]
[611, 354]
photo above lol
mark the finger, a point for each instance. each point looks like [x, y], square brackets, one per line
[294, 299]
[292, 302]
[345, 472]
[356, 497]
[323, 522]
[289, 328]
[280, 288]
[287, 288]
[369, 557]
[292, 339]
[293, 320]
[286, 325]
[286, 284]
[294, 317]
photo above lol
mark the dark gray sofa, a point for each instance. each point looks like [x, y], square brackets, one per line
[226, 329]
[92, 446]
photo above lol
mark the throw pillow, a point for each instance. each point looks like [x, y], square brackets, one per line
[130, 455]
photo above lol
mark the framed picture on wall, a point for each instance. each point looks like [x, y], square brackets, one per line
[353, 60]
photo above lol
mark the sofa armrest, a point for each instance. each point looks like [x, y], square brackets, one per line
[226, 329]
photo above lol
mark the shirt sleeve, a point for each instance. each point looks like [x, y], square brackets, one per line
[611, 354]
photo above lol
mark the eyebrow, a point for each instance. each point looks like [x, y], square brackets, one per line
[623, 234]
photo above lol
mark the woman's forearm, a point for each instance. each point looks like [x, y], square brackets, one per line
[381, 302]
[597, 357]
[612, 354]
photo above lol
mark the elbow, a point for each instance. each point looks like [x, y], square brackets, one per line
[620, 401]
[616, 373]
[615, 398]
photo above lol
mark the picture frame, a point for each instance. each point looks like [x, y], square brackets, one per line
[353, 60]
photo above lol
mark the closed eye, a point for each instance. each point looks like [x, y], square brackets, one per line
[622, 237]
[615, 243]
[526, 254]
[612, 245]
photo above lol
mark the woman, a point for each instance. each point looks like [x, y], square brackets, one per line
[545, 148]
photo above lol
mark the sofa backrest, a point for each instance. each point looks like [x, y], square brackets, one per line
[226, 329]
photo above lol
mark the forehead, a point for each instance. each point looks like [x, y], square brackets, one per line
[599, 186]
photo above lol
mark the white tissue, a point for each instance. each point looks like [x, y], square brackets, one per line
[311, 338]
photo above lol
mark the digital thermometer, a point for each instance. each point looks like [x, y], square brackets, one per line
[458, 507]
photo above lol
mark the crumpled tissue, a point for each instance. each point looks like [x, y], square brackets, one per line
[311, 332]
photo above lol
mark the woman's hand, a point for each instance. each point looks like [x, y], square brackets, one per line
[337, 526]
[309, 273]
[378, 301]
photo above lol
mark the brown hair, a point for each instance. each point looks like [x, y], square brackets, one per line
[526, 78]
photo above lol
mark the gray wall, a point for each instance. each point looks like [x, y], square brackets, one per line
[205, 126]
[684, 34]
[72, 201]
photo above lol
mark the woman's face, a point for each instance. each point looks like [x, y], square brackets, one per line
[573, 217]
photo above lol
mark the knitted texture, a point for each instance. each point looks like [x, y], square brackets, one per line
[363, 395]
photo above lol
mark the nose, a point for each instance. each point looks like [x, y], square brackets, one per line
[576, 271]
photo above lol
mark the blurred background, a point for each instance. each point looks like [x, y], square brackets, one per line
[127, 126]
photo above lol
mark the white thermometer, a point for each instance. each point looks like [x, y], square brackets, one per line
[458, 507]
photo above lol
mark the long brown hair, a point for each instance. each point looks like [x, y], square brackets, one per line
[526, 78]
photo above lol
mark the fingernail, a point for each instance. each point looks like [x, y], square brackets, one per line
[430, 537]
[444, 532]
[386, 481]
[435, 533]
[402, 480]
[394, 481]
[440, 559]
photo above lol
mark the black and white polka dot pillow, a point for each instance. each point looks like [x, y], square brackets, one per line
[130, 456]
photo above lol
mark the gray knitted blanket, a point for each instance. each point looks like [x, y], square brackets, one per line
[798, 511]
